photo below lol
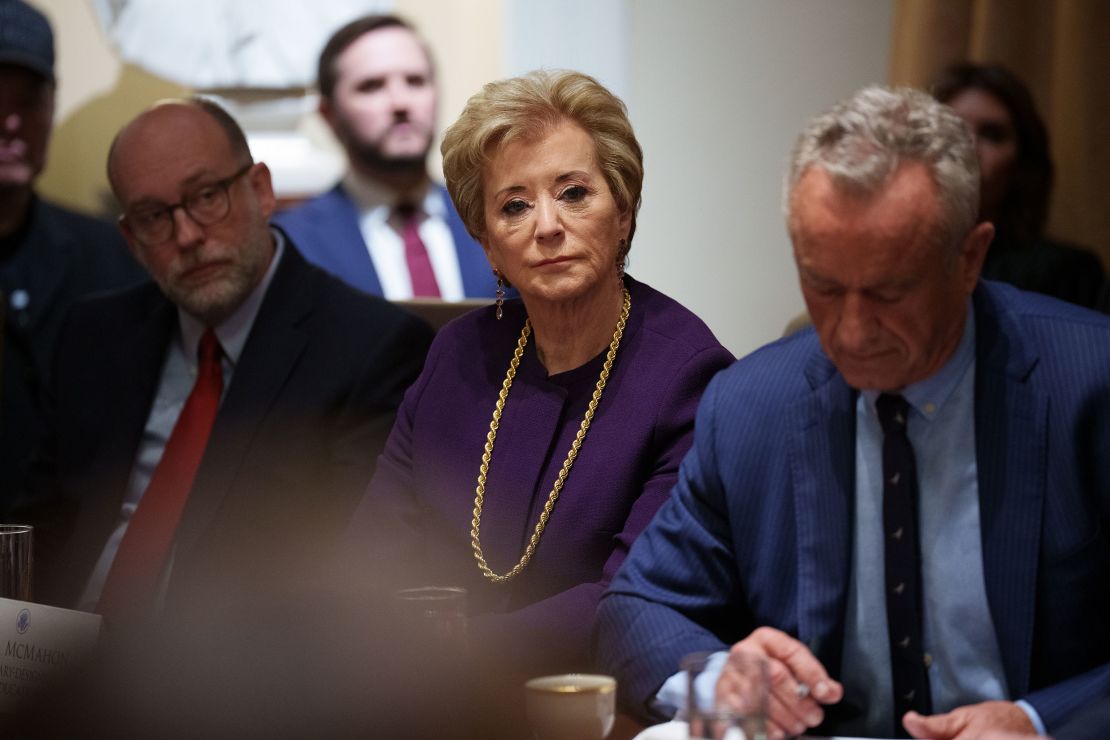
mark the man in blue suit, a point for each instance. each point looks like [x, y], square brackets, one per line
[386, 228]
[977, 413]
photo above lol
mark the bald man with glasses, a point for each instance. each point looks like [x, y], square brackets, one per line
[210, 432]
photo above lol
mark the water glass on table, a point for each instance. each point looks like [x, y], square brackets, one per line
[438, 611]
[741, 714]
[16, 564]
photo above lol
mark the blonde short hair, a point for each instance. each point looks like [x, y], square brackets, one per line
[525, 107]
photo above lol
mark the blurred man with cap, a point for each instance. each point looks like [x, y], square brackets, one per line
[49, 256]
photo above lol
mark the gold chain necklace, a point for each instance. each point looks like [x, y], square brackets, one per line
[483, 470]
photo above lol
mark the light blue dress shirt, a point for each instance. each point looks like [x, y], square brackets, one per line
[965, 664]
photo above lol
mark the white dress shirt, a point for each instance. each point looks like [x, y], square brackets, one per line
[381, 231]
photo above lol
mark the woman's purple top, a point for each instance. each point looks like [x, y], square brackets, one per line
[416, 516]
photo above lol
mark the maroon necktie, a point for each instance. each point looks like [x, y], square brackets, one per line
[416, 254]
[133, 578]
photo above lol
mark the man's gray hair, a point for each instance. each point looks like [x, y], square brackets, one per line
[862, 141]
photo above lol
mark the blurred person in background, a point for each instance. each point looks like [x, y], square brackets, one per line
[1015, 165]
[386, 228]
[49, 256]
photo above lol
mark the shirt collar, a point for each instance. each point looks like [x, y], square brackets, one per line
[234, 330]
[369, 195]
[928, 396]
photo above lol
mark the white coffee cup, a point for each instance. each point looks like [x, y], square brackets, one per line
[572, 706]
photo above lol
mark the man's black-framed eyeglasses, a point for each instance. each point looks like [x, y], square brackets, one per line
[207, 204]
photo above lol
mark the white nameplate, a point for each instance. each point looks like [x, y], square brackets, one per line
[38, 643]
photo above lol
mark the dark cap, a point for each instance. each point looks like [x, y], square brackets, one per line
[26, 38]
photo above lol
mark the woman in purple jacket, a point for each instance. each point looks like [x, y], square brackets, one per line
[545, 431]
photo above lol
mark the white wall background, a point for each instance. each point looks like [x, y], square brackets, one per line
[717, 91]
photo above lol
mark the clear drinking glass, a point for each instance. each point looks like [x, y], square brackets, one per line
[16, 564]
[440, 611]
[742, 714]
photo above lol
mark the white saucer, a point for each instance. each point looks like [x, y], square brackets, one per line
[667, 731]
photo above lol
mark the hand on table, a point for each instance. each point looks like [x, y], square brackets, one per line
[973, 722]
[790, 664]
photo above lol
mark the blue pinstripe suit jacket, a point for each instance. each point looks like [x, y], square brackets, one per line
[758, 529]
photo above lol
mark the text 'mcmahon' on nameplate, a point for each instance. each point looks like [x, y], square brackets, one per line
[40, 643]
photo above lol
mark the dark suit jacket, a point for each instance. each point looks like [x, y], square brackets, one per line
[306, 414]
[327, 232]
[758, 530]
[1092, 723]
[1043, 265]
[58, 257]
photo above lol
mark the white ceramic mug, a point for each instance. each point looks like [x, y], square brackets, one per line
[573, 706]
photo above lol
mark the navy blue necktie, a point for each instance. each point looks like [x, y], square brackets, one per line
[909, 664]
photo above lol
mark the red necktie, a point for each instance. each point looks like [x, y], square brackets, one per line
[133, 578]
[416, 254]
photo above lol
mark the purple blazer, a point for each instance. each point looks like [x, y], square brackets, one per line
[416, 516]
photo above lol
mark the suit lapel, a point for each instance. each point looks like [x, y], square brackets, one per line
[136, 360]
[343, 231]
[133, 356]
[1011, 429]
[476, 273]
[822, 454]
[276, 342]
